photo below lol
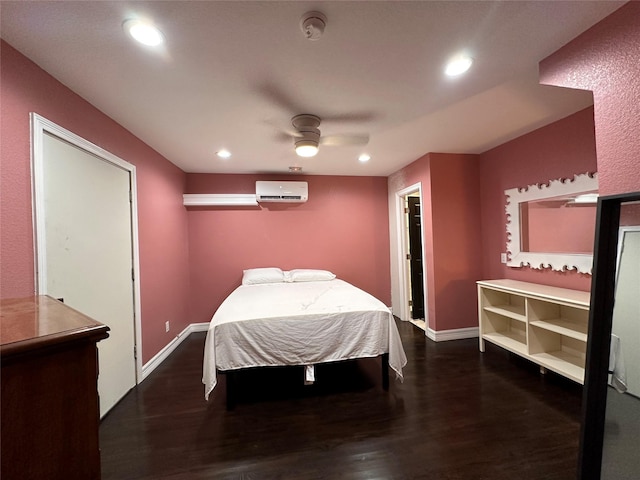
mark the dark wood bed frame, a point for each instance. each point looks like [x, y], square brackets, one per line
[232, 381]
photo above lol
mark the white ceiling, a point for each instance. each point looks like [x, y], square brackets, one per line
[232, 74]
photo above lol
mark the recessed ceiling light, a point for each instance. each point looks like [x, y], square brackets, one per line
[223, 153]
[295, 169]
[458, 65]
[143, 32]
[365, 157]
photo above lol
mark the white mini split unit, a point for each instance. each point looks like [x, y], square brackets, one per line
[291, 192]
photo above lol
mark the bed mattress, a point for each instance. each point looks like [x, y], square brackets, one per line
[302, 323]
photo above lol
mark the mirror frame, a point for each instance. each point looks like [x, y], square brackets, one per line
[584, 182]
[594, 397]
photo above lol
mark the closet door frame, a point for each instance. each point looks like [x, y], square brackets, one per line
[40, 126]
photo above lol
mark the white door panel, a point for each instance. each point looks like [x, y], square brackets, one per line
[88, 242]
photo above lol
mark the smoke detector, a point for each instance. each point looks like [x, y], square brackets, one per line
[312, 25]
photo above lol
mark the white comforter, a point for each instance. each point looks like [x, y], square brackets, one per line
[301, 323]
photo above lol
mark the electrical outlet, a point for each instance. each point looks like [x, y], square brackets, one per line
[503, 259]
[166, 326]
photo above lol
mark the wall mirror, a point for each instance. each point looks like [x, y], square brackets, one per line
[552, 225]
[610, 433]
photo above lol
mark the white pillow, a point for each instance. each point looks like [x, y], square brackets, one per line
[308, 275]
[256, 276]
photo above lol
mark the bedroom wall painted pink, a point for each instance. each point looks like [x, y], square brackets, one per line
[450, 209]
[162, 220]
[343, 227]
[604, 59]
[559, 150]
[455, 193]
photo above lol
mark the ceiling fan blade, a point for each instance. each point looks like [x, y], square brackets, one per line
[282, 133]
[341, 140]
[284, 100]
[282, 137]
[278, 97]
[353, 117]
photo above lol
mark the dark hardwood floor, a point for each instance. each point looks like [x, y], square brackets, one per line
[459, 414]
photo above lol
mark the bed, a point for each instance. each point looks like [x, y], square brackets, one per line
[300, 317]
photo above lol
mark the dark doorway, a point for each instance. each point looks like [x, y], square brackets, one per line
[415, 257]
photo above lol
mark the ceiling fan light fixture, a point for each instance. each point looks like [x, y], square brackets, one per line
[306, 148]
[309, 135]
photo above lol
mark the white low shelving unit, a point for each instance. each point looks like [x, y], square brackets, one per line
[547, 325]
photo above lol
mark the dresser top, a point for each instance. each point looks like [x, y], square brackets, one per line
[41, 321]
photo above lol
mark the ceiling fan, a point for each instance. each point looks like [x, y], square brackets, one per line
[307, 138]
[306, 127]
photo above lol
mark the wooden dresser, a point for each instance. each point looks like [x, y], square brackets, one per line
[49, 410]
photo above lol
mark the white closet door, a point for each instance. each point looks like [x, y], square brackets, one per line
[88, 234]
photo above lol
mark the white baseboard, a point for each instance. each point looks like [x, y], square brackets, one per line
[199, 327]
[454, 334]
[163, 354]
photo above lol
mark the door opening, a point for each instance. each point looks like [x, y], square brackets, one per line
[412, 299]
[414, 227]
[415, 269]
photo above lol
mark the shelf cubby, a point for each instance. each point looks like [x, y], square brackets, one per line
[571, 321]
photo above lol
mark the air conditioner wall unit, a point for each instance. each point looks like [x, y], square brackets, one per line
[281, 191]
